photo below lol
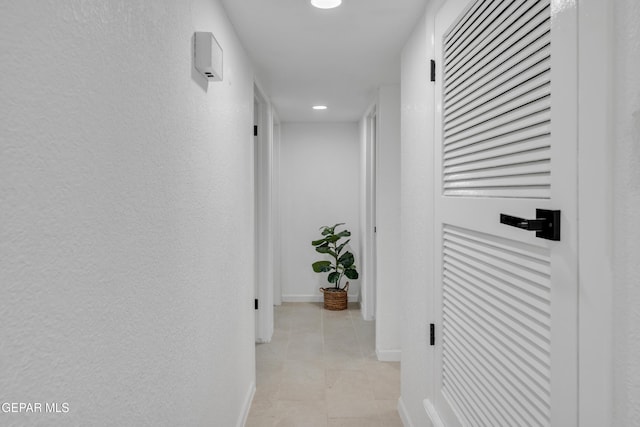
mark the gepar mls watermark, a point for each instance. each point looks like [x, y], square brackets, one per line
[34, 408]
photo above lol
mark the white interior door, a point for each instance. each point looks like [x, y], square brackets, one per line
[506, 138]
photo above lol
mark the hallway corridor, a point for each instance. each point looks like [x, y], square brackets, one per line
[320, 369]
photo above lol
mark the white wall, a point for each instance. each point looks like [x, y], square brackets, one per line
[388, 285]
[319, 184]
[626, 208]
[126, 220]
[417, 221]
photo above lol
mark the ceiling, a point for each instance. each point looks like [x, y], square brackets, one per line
[336, 57]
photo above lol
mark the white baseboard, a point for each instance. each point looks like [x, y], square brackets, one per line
[301, 298]
[404, 414]
[389, 355]
[246, 405]
[312, 298]
[432, 413]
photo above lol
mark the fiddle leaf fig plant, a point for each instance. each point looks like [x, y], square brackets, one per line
[343, 262]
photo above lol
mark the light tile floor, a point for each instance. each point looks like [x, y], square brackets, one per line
[320, 369]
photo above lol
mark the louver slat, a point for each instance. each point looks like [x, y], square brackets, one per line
[475, 34]
[497, 102]
[519, 367]
[519, 128]
[504, 117]
[486, 168]
[521, 83]
[462, 26]
[513, 98]
[472, 382]
[506, 398]
[516, 31]
[494, 381]
[490, 151]
[485, 80]
[496, 329]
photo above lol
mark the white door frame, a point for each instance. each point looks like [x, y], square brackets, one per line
[277, 254]
[369, 256]
[595, 188]
[264, 223]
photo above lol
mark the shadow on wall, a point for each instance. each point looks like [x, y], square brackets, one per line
[198, 78]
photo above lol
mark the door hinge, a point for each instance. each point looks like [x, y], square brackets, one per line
[433, 70]
[432, 334]
[256, 303]
[375, 229]
[255, 130]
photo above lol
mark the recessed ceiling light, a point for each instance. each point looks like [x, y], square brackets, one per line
[326, 4]
[319, 107]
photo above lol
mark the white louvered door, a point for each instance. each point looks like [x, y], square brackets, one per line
[506, 142]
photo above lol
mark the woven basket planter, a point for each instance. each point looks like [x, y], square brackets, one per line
[335, 299]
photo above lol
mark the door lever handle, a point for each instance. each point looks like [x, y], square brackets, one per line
[525, 224]
[546, 225]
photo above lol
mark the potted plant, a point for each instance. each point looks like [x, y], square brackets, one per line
[342, 264]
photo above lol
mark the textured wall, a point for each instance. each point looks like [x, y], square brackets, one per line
[626, 213]
[123, 279]
[319, 170]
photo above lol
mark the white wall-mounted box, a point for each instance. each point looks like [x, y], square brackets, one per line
[208, 56]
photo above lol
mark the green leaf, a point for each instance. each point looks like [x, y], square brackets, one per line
[341, 247]
[345, 233]
[333, 238]
[333, 277]
[326, 230]
[322, 266]
[319, 242]
[326, 250]
[351, 273]
[346, 259]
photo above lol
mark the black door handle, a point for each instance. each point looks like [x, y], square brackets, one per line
[546, 225]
